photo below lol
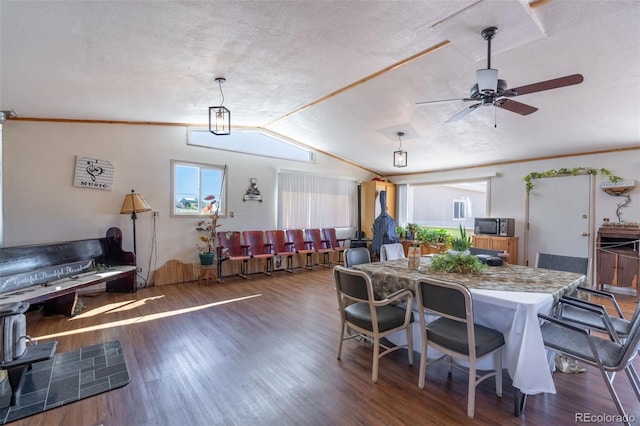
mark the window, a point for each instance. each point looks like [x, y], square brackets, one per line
[459, 209]
[309, 201]
[447, 205]
[252, 142]
[192, 183]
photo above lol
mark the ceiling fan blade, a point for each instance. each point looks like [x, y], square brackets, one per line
[555, 83]
[463, 113]
[517, 107]
[444, 101]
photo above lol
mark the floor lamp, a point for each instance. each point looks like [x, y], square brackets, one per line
[134, 203]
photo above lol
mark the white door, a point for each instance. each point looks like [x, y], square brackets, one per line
[560, 217]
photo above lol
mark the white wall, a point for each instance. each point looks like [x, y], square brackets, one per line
[42, 205]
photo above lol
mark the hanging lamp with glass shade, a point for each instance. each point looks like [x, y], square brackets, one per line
[220, 116]
[400, 156]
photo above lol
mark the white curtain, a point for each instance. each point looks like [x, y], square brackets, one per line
[312, 201]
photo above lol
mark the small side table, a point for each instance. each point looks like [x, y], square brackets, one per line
[207, 273]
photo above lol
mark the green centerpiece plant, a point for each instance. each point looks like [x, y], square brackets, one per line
[456, 263]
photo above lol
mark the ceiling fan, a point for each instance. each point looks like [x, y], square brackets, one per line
[489, 90]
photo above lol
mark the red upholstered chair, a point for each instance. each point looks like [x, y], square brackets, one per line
[301, 245]
[258, 249]
[320, 245]
[231, 248]
[280, 246]
[336, 243]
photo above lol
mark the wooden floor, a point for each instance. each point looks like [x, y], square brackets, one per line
[263, 352]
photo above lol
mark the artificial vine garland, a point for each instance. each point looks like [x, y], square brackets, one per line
[568, 172]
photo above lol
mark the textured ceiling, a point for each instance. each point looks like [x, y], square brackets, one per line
[338, 76]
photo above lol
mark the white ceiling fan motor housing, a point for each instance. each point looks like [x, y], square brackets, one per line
[487, 80]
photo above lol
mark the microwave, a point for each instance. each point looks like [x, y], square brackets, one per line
[501, 227]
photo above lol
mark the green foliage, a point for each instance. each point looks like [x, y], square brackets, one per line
[462, 242]
[458, 263]
[568, 172]
[433, 236]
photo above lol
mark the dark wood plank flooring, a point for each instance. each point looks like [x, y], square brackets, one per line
[263, 352]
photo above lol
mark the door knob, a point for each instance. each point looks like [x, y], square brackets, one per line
[584, 234]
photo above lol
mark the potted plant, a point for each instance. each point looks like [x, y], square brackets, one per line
[412, 230]
[207, 228]
[461, 243]
[434, 240]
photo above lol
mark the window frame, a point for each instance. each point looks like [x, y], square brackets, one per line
[222, 169]
[463, 203]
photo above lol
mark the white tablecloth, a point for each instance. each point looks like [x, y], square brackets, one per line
[515, 315]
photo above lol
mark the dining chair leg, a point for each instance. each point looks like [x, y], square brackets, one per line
[634, 379]
[376, 359]
[471, 397]
[423, 363]
[410, 343]
[341, 339]
[497, 366]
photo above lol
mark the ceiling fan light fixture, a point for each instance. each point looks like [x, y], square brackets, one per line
[220, 116]
[400, 156]
[487, 80]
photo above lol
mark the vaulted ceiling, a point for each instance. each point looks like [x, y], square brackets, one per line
[341, 77]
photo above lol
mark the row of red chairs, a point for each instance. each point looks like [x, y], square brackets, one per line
[265, 245]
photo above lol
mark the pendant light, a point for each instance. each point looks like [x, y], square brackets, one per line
[400, 156]
[220, 116]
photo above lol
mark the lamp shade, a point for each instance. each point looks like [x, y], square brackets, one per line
[400, 158]
[487, 80]
[134, 203]
[219, 120]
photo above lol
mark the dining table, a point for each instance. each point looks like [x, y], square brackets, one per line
[506, 298]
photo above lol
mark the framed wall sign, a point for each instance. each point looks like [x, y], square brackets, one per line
[93, 173]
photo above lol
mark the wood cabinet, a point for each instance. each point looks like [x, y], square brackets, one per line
[617, 257]
[370, 192]
[507, 244]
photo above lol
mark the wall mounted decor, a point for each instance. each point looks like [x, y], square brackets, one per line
[619, 189]
[93, 173]
[253, 193]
